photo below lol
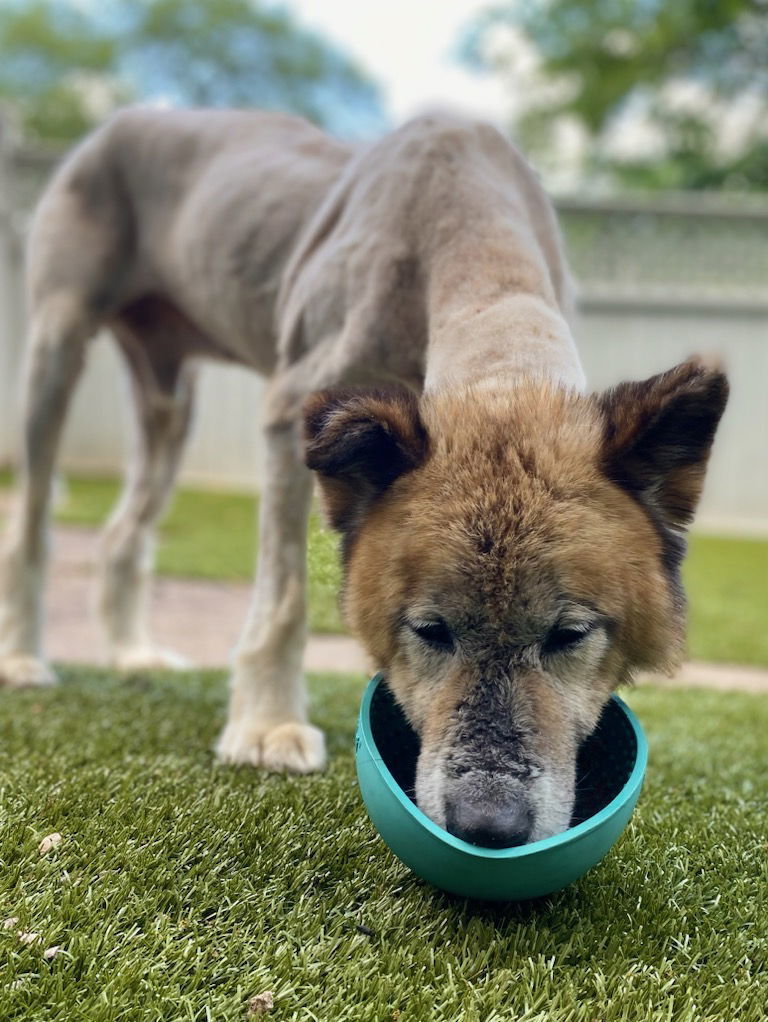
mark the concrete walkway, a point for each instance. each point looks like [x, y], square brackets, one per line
[201, 620]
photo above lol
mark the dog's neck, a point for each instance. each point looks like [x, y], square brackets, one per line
[483, 331]
[497, 294]
[516, 337]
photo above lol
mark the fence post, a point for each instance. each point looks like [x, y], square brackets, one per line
[11, 295]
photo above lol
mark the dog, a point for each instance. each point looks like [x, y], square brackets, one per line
[511, 543]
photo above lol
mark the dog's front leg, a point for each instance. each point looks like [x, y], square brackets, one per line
[267, 723]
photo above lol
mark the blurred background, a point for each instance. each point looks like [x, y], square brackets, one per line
[648, 122]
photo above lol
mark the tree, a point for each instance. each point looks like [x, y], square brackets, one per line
[666, 94]
[64, 65]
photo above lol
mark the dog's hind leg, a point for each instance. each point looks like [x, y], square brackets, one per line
[163, 397]
[267, 723]
[60, 328]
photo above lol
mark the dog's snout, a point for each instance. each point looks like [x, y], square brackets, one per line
[491, 827]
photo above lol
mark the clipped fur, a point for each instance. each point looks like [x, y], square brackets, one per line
[488, 508]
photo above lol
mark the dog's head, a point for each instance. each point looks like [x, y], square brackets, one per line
[510, 557]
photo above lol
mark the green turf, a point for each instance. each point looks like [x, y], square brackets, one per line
[727, 582]
[180, 889]
[212, 535]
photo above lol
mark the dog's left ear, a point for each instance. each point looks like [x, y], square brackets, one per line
[658, 435]
[360, 442]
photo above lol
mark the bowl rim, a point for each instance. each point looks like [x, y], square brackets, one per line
[566, 837]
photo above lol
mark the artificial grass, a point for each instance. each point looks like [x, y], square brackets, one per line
[727, 583]
[180, 889]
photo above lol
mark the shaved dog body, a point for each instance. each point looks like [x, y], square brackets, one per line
[511, 545]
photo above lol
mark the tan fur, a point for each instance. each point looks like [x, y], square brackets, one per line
[524, 467]
[509, 522]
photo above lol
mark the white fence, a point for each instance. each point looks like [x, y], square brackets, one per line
[660, 279]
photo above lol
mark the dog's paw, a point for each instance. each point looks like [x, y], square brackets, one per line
[297, 748]
[285, 748]
[143, 659]
[22, 670]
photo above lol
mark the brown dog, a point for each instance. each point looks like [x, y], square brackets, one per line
[512, 547]
[512, 555]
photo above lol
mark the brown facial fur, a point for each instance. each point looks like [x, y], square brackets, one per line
[521, 515]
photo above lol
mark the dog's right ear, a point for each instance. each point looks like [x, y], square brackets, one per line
[359, 442]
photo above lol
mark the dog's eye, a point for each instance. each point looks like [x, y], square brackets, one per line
[560, 639]
[436, 634]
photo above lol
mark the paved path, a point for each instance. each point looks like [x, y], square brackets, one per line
[201, 620]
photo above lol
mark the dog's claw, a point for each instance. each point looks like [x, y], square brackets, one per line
[286, 748]
[24, 671]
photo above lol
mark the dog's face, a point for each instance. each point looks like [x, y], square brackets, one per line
[511, 556]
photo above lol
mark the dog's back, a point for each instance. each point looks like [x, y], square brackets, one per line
[199, 207]
[436, 256]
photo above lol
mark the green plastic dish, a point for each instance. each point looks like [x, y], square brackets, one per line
[610, 771]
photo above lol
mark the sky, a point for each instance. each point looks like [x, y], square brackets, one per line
[409, 47]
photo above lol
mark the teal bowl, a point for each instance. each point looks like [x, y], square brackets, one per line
[610, 771]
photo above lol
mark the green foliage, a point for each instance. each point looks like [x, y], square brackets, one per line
[180, 889]
[64, 65]
[606, 57]
[48, 53]
[237, 53]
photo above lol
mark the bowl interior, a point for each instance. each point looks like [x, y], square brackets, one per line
[604, 764]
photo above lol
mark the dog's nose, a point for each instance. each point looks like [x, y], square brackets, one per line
[502, 827]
